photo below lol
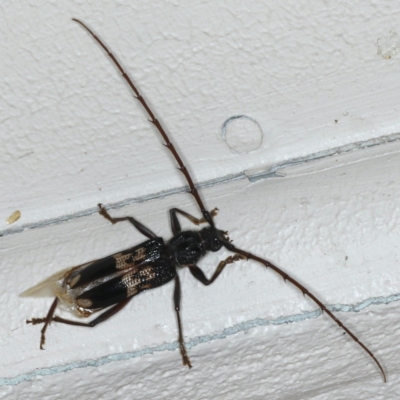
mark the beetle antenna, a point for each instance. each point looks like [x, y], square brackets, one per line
[286, 277]
[192, 188]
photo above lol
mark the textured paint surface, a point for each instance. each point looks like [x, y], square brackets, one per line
[340, 239]
[73, 137]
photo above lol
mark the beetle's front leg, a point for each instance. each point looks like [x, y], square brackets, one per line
[176, 226]
[140, 227]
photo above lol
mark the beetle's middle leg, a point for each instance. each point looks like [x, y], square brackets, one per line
[140, 227]
[177, 304]
[199, 274]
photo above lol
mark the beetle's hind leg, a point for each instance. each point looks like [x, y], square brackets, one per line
[140, 227]
[46, 321]
[51, 317]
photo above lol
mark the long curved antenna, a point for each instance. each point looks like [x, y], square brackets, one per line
[207, 216]
[305, 292]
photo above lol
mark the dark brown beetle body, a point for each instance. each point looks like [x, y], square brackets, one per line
[110, 280]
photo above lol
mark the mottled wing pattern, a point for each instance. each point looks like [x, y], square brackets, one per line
[109, 280]
[147, 276]
[148, 251]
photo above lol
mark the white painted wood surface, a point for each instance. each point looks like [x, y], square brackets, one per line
[317, 80]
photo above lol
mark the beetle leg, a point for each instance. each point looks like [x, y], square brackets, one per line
[51, 317]
[176, 226]
[199, 274]
[101, 318]
[177, 303]
[140, 227]
[46, 321]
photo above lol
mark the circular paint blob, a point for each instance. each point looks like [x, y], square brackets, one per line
[242, 134]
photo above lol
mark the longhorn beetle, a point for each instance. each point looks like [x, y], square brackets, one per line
[110, 283]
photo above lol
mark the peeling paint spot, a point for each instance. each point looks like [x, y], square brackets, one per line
[241, 327]
[14, 217]
[242, 134]
[389, 45]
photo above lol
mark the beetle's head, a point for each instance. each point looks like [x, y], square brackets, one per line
[213, 238]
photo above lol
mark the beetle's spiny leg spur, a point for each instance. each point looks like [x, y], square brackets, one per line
[192, 188]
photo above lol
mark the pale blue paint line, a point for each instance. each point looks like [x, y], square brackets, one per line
[233, 330]
[272, 172]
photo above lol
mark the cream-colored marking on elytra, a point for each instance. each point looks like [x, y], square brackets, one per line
[121, 259]
[131, 283]
[148, 272]
[73, 281]
[83, 312]
[84, 303]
